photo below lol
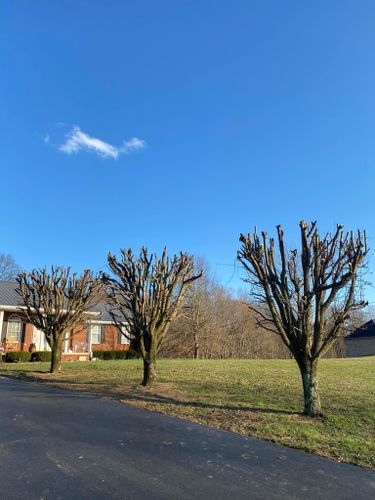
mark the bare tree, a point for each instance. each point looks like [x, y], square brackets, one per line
[197, 309]
[221, 326]
[146, 293]
[309, 294]
[57, 302]
[9, 269]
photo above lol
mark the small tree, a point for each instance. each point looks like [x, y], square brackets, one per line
[146, 293]
[9, 269]
[309, 294]
[56, 303]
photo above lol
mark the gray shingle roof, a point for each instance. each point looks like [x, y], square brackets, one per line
[8, 294]
[103, 308]
[10, 297]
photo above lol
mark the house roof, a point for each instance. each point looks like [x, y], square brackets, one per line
[104, 309]
[10, 297]
[367, 330]
[8, 294]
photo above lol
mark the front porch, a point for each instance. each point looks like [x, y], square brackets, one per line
[18, 335]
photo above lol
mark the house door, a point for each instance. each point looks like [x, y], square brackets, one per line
[39, 339]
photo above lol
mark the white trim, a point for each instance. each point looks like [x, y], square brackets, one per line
[102, 322]
[24, 308]
[66, 343]
[89, 339]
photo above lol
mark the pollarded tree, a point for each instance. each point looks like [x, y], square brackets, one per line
[55, 303]
[146, 293]
[309, 293]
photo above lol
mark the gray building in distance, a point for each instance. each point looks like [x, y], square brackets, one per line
[361, 342]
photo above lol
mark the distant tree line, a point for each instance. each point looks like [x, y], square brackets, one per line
[214, 323]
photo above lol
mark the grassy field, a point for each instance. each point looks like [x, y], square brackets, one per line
[259, 398]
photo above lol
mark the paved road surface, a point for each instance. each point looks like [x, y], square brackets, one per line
[56, 444]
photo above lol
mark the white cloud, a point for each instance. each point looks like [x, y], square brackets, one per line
[76, 140]
[132, 144]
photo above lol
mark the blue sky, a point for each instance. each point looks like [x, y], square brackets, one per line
[246, 112]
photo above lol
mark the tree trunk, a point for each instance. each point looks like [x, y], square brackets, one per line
[195, 344]
[149, 372]
[56, 357]
[196, 351]
[309, 374]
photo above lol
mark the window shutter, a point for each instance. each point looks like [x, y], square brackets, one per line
[22, 332]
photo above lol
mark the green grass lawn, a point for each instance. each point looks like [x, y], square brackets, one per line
[259, 398]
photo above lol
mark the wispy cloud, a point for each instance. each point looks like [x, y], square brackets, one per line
[132, 144]
[77, 140]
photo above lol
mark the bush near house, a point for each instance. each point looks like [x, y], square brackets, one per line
[112, 355]
[42, 356]
[24, 357]
[17, 357]
[45, 356]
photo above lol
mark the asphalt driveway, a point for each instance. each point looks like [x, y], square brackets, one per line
[56, 444]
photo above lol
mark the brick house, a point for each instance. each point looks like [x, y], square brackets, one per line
[98, 333]
[361, 342]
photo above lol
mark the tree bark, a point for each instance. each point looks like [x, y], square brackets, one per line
[196, 351]
[309, 374]
[56, 357]
[149, 372]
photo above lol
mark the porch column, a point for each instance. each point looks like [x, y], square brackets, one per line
[2, 351]
[66, 346]
[1, 324]
[89, 339]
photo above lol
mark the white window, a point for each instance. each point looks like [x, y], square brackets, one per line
[14, 329]
[122, 338]
[97, 334]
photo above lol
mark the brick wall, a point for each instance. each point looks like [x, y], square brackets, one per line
[360, 347]
[77, 342]
[110, 341]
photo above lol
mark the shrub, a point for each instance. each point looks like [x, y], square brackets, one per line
[103, 354]
[41, 356]
[131, 354]
[111, 355]
[17, 357]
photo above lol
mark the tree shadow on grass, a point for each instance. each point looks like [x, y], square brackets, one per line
[21, 374]
[167, 400]
[134, 394]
